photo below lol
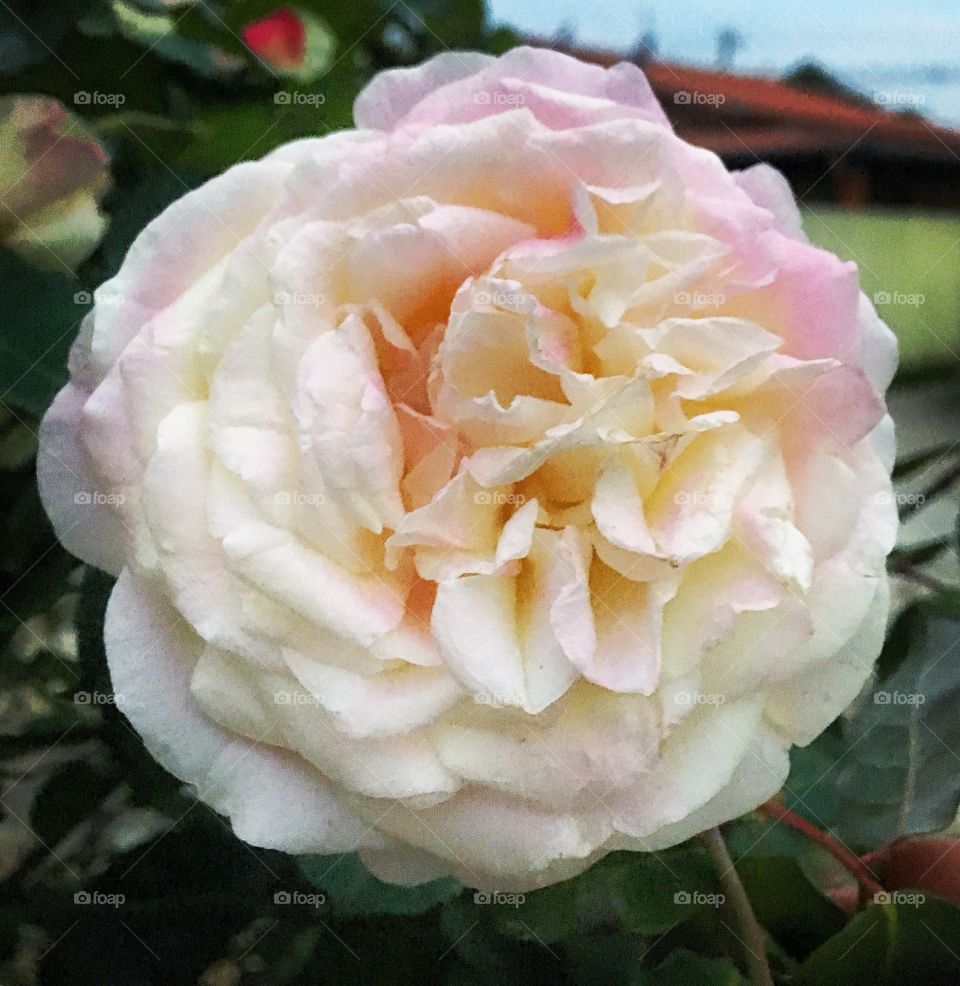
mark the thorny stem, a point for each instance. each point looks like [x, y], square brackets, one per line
[755, 950]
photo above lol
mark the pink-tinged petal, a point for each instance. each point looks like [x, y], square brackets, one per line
[812, 303]
[390, 96]
[629, 630]
[86, 518]
[559, 90]
[770, 190]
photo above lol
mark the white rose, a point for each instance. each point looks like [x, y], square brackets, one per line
[494, 486]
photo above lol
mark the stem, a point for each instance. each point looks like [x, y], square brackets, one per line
[934, 489]
[755, 949]
[914, 574]
[848, 860]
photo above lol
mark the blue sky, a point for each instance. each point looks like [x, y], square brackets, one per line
[876, 45]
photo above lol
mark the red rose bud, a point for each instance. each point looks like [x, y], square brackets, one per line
[279, 39]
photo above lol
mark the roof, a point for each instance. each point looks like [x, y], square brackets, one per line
[760, 116]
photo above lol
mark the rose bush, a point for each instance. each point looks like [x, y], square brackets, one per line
[493, 486]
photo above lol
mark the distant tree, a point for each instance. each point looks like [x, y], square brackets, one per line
[729, 42]
[813, 77]
[647, 47]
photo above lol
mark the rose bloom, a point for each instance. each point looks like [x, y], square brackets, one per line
[493, 486]
[53, 174]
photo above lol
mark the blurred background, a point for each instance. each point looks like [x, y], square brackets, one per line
[110, 110]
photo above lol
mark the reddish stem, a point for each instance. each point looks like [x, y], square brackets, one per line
[847, 859]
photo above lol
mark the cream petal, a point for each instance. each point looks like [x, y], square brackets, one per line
[386, 704]
[272, 797]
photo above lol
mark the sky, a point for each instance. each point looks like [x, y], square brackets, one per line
[911, 50]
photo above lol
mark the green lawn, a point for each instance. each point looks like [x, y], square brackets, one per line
[910, 265]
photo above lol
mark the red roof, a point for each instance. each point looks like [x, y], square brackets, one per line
[760, 116]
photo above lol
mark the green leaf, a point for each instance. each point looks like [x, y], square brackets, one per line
[449, 23]
[900, 773]
[910, 464]
[351, 890]
[890, 945]
[788, 905]
[40, 313]
[810, 789]
[919, 554]
[642, 893]
[683, 968]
